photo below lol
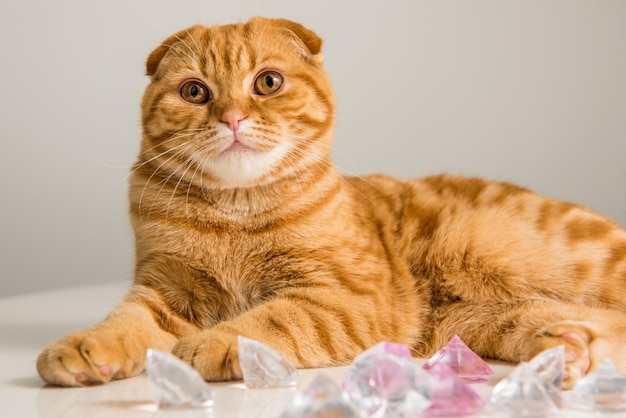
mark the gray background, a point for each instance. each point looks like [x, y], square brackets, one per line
[532, 92]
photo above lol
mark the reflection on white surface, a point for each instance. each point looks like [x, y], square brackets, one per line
[133, 398]
[28, 323]
[265, 403]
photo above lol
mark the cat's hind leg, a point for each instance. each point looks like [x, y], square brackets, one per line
[518, 332]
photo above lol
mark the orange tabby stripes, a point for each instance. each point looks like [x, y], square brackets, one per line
[244, 227]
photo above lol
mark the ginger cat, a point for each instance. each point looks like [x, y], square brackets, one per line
[244, 227]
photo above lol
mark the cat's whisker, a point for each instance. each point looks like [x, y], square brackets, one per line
[204, 161]
[175, 155]
[188, 163]
[199, 50]
[198, 162]
[138, 166]
[285, 166]
[185, 133]
[328, 164]
[164, 182]
[174, 151]
[191, 50]
[353, 171]
[356, 175]
[192, 56]
[343, 169]
[109, 165]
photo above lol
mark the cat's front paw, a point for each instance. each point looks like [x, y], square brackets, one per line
[213, 354]
[89, 357]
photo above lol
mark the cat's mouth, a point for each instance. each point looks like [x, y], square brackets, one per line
[237, 163]
[237, 146]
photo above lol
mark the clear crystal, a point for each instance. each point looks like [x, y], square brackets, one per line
[384, 383]
[457, 356]
[550, 365]
[604, 389]
[264, 367]
[175, 383]
[323, 398]
[523, 393]
[450, 394]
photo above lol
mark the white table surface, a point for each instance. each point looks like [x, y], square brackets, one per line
[29, 322]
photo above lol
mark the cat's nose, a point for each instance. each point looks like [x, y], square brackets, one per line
[232, 119]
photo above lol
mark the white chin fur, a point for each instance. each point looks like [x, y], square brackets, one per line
[243, 168]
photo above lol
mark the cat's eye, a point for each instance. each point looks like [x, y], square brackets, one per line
[268, 82]
[195, 92]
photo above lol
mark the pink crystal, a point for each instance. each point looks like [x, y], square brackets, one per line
[384, 382]
[399, 350]
[457, 356]
[450, 395]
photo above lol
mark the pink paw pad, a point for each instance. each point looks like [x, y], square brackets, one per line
[81, 377]
[105, 370]
[573, 358]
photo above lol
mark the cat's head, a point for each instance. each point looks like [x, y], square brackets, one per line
[237, 105]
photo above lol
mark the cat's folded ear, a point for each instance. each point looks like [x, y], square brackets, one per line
[303, 39]
[155, 57]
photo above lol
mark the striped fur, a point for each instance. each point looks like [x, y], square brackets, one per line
[264, 239]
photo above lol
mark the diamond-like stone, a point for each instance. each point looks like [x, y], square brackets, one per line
[457, 356]
[550, 365]
[322, 398]
[450, 394]
[385, 384]
[264, 367]
[523, 393]
[175, 383]
[604, 389]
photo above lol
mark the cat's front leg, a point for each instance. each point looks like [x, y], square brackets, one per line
[309, 327]
[213, 353]
[113, 349]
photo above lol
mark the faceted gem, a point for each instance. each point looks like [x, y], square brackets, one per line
[322, 398]
[264, 367]
[523, 393]
[175, 383]
[384, 384]
[450, 394]
[457, 356]
[385, 347]
[604, 389]
[550, 365]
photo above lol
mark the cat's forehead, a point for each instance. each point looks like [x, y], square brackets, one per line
[235, 53]
[241, 48]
